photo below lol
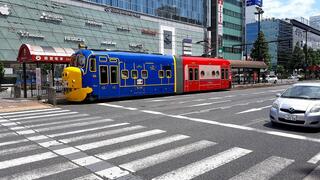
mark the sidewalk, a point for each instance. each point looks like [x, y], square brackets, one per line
[258, 85]
[11, 105]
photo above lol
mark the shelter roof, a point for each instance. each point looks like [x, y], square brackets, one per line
[248, 64]
[44, 54]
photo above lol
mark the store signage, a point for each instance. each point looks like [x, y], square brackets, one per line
[187, 46]
[51, 17]
[94, 23]
[138, 46]
[74, 39]
[109, 43]
[121, 12]
[254, 3]
[149, 32]
[4, 10]
[220, 17]
[126, 29]
[26, 34]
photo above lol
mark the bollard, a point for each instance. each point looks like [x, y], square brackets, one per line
[17, 91]
[52, 99]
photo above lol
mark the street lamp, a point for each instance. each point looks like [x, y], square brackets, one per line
[259, 13]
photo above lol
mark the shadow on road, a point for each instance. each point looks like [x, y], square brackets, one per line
[290, 128]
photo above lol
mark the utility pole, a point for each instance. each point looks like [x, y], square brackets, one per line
[306, 58]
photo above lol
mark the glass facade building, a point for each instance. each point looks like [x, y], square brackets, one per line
[190, 11]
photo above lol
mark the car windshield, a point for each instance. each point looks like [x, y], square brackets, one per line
[302, 92]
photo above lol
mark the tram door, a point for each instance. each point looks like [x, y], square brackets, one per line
[224, 77]
[192, 82]
[109, 81]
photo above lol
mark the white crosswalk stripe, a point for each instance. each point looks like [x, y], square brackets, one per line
[15, 150]
[119, 139]
[42, 116]
[88, 177]
[87, 130]
[265, 170]
[140, 147]
[315, 159]
[37, 113]
[26, 160]
[13, 142]
[197, 168]
[73, 125]
[314, 175]
[165, 156]
[30, 111]
[67, 121]
[41, 172]
[100, 134]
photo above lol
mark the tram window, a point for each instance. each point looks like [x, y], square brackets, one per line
[104, 74]
[196, 74]
[113, 74]
[124, 74]
[134, 74]
[144, 74]
[213, 73]
[190, 74]
[161, 74]
[222, 73]
[227, 74]
[202, 74]
[92, 65]
[217, 74]
[168, 73]
[103, 59]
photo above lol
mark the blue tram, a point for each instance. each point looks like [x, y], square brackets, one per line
[96, 74]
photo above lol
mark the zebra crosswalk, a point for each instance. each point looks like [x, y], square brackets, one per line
[55, 142]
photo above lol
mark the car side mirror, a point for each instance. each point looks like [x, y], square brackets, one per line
[278, 95]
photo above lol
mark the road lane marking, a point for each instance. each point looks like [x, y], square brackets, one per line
[13, 142]
[205, 165]
[117, 140]
[315, 159]
[38, 125]
[140, 147]
[152, 160]
[26, 160]
[73, 125]
[41, 172]
[100, 134]
[59, 149]
[42, 116]
[264, 170]
[33, 114]
[86, 130]
[207, 104]
[88, 177]
[256, 121]
[19, 149]
[31, 111]
[253, 110]
[314, 175]
[234, 126]
[118, 106]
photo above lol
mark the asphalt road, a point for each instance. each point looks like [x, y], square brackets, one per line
[216, 135]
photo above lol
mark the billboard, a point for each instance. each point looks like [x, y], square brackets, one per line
[254, 3]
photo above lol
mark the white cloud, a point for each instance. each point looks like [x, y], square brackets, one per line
[289, 8]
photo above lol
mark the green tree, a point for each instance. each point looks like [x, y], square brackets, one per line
[260, 50]
[280, 70]
[298, 56]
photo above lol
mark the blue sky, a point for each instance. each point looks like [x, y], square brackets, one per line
[291, 8]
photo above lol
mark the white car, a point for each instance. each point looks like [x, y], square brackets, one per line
[299, 105]
[272, 79]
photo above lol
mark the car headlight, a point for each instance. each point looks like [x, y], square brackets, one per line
[315, 109]
[275, 105]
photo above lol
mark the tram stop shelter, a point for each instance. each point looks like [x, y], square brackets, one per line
[31, 54]
[247, 71]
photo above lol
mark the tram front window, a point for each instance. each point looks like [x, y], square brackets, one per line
[78, 61]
